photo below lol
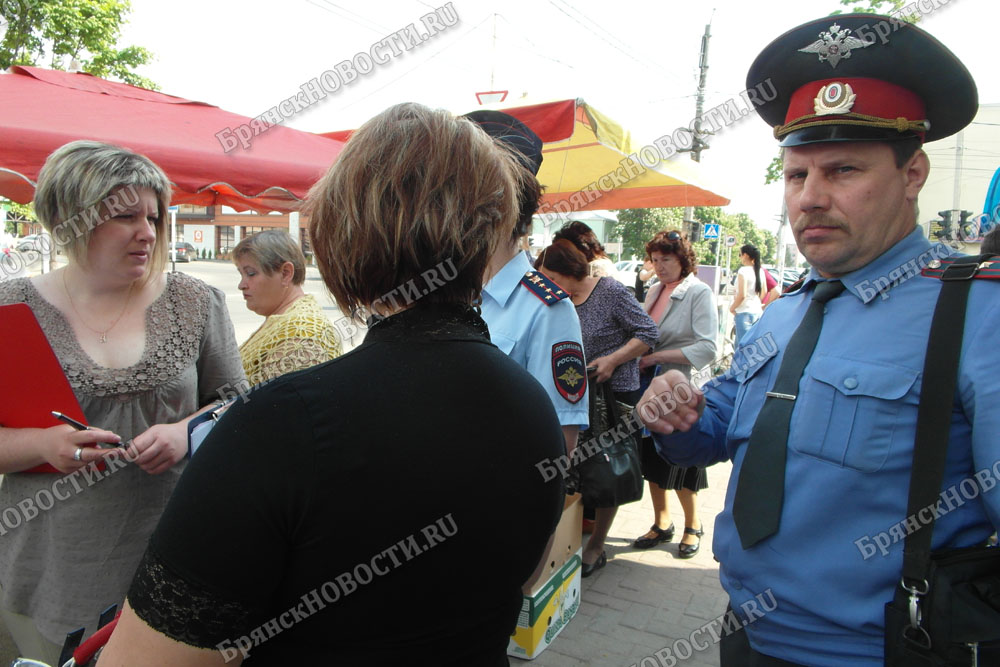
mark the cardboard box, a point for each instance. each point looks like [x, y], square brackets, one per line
[566, 543]
[545, 613]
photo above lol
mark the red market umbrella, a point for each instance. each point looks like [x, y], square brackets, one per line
[42, 109]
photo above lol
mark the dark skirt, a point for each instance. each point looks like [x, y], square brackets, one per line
[667, 475]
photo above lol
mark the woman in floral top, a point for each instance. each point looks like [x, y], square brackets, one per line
[616, 332]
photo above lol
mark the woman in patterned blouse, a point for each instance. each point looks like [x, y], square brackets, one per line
[296, 334]
[616, 332]
[143, 351]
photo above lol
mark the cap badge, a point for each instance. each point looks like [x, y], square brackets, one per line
[834, 98]
[834, 44]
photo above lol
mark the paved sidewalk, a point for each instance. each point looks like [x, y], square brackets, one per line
[643, 601]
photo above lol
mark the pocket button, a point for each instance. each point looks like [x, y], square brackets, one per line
[851, 383]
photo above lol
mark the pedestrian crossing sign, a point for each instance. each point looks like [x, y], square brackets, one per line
[711, 231]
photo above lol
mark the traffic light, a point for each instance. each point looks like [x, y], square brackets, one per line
[968, 229]
[946, 224]
[693, 229]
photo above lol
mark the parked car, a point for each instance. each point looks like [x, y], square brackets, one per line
[36, 242]
[185, 252]
[625, 271]
[790, 276]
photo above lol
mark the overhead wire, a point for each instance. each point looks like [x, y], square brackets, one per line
[418, 65]
[343, 13]
[622, 47]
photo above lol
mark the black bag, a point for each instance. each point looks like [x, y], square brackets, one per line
[606, 458]
[946, 607]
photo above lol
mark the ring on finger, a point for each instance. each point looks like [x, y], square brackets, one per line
[78, 454]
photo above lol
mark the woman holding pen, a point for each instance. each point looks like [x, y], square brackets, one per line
[143, 351]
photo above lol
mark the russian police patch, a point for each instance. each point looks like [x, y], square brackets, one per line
[569, 370]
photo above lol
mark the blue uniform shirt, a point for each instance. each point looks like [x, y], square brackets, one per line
[539, 330]
[837, 555]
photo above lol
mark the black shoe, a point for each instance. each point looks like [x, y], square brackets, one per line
[601, 561]
[689, 550]
[662, 535]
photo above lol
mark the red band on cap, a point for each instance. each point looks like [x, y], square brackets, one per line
[873, 97]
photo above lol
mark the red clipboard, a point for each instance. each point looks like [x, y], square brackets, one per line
[33, 380]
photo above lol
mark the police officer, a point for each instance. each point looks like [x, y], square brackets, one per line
[818, 413]
[529, 316]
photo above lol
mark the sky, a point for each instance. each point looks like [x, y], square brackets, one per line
[634, 61]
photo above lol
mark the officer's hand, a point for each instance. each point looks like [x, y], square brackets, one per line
[671, 403]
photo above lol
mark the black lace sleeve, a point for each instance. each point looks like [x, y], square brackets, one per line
[184, 611]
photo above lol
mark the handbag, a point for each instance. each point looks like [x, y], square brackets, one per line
[946, 608]
[606, 457]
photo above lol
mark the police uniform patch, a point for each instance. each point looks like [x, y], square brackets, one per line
[543, 287]
[569, 370]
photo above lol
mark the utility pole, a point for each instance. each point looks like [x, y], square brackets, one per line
[697, 144]
[782, 221]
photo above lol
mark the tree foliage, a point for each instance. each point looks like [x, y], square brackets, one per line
[885, 7]
[636, 226]
[17, 213]
[773, 174]
[54, 33]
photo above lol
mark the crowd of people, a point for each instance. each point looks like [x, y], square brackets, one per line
[347, 488]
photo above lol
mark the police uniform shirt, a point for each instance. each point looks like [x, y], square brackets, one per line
[850, 451]
[535, 323]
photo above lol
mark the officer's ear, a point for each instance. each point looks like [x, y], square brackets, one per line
[916, 170]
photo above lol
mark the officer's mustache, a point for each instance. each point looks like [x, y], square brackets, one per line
[807, 220]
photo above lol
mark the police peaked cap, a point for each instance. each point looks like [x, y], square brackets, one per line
[862, 77]
[512, 132]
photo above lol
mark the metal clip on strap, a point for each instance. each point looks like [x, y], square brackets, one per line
[961, 271]
[914, 632]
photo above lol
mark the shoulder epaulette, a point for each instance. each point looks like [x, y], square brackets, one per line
[543, 287]
[794, 286]
[989, 269]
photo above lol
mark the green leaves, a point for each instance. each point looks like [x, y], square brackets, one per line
[636, 226]
[17, 213]
[54, 33]
[885, 7]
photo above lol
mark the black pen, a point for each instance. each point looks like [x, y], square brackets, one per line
[83, 427]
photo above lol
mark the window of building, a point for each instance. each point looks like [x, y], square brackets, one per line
[247, 231]
[225, 239]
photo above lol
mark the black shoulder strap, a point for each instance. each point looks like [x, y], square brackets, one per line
[937, 392]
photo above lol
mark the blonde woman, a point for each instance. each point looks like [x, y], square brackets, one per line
[143, 351]
[297, 333]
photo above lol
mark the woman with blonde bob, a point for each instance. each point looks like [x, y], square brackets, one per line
[364, 485]
[296, 334]
[143, 351]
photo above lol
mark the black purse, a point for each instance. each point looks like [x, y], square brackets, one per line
[946, 607]
[606, 458]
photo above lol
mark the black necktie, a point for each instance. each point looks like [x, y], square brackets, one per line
[761, 486]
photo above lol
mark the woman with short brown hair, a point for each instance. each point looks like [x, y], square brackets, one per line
[359, 487]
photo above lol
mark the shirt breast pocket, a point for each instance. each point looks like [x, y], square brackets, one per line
[754, 368]
[847, 411]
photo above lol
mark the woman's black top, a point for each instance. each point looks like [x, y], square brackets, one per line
[380, 508]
